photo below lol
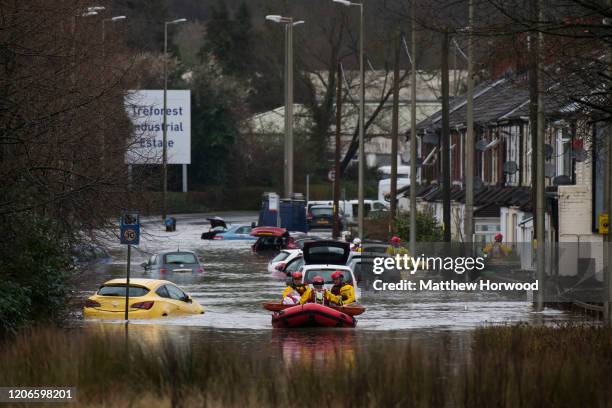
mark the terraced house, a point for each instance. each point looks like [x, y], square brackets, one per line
[504, 172]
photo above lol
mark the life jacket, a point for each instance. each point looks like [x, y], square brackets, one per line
[299, 288]
[318, 297]
[335, 290]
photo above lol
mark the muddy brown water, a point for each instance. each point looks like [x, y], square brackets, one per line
[235, 282]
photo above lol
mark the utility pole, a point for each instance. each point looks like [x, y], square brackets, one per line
[608, 204]
[361, 177]
[533, 102]
[413, 133]
[336, 230]
[394, 133]
[446, 184]
[468, 219]
[540, 203]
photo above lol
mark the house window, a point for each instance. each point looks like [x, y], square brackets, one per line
[563, 150]
[512, 153]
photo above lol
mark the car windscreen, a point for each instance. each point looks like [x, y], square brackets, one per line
[180, 258]
[326, 275]
[282, 255]
[295, 265]
[119, 290]
[322, 211]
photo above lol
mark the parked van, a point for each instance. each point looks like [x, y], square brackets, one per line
[384, 185]
[349, 208]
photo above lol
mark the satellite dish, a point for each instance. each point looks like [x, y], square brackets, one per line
[579, 155]
[431, 138]
[562, 180]
[482, 145]
[548, 151]
[549, 170]
[510, 167]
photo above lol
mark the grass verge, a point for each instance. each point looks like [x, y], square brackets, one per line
[507, 366]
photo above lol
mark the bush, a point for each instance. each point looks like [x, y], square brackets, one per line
[36, 269]
[428, 229]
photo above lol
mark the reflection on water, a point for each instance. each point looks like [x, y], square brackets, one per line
[235, 282]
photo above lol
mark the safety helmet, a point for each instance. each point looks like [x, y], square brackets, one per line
[296, 275]
[499, 237]
[356, 241]
[337, 274]
[396, 240]
[317, 281]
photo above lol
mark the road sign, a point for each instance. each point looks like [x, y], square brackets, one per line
[603, 223]
[331, 176]
[130, 228]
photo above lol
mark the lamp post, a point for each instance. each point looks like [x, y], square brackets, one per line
[112, 20]
[360, 196]
[288, 161]
[165, 131]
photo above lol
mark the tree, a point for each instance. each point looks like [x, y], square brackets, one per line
[218, 109]
[63, 141]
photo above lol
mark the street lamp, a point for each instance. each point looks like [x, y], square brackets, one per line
[361, 112]
[289, 24]
[165, 131]
[112, 20]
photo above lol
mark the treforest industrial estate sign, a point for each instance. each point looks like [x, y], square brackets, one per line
[146, 110]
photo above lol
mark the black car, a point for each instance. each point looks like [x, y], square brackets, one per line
[322, 216]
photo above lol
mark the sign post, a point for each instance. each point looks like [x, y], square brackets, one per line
[129, 235]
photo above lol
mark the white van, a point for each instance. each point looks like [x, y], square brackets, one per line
[384, 185]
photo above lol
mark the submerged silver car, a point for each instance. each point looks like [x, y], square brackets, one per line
[173, 262]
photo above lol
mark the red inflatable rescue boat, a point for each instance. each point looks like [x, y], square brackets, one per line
[312, 315]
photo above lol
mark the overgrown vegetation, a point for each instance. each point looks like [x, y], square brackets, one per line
[63, 139]
[36, 270]
[507, 367]
[428, 230]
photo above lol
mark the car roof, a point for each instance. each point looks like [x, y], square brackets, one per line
[326, 266]
[322, 206]
[175, 252]
[147, 283]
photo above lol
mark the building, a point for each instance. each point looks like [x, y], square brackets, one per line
[503, 170]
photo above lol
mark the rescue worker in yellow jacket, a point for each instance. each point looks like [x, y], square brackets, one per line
[497, 249]
[296, 285]
[318, 294]
[343, 291]
[396, 247]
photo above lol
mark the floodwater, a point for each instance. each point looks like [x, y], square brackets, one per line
[235, 282]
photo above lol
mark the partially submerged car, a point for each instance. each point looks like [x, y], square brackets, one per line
[217, 225]
[173, 261]
[272, 239]
[149, 299]
[278, 263]
[322, 258]
[236, 232]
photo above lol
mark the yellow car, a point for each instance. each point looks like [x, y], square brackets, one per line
[149, 299]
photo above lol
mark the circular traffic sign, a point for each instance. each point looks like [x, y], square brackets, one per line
[331, 175]
[129, 235]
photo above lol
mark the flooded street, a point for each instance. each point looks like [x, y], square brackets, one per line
[235, 282]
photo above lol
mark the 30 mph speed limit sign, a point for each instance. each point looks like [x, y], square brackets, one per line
[130, 228]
